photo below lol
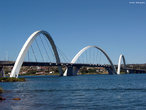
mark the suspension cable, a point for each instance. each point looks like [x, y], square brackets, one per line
[39, 49]
[45, 48]
[65, 58]
[90, 55]
[33, 53]
[50, 49]
[96, 58]
[86, 57]
[100, 58]
[79, 60]
[28, 55]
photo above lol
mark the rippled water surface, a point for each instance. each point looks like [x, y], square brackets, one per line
[85, 92]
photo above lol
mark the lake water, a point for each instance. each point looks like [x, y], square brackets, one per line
[85, 92]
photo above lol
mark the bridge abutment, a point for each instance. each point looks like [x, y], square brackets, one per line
[110, 71]
[72, 70]
[2, 72]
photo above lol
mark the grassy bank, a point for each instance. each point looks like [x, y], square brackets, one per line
[8, 79]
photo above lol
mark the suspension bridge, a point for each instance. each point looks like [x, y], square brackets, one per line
[72, 67]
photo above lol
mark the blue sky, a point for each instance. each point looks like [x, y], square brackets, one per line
[114, 25]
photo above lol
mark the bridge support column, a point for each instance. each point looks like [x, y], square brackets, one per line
[2, 73]
[110, 71]
[127, 71]
[72, 70]
[131, 71]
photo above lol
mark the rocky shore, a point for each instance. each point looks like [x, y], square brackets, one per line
[2, 98]
[8, 79]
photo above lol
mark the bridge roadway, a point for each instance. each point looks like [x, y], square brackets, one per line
[11, 63]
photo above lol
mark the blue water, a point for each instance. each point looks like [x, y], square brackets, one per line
[85, 92]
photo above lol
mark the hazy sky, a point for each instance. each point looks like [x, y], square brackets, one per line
[117, 26]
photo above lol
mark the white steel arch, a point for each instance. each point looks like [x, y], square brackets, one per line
[119, 63]
[22, 54]
[83, 50]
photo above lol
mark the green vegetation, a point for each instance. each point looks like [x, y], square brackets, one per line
[1, 90]
[8, 79]
[28, 74]
[92, 70]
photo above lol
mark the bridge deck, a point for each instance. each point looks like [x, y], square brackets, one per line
[11, 63]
